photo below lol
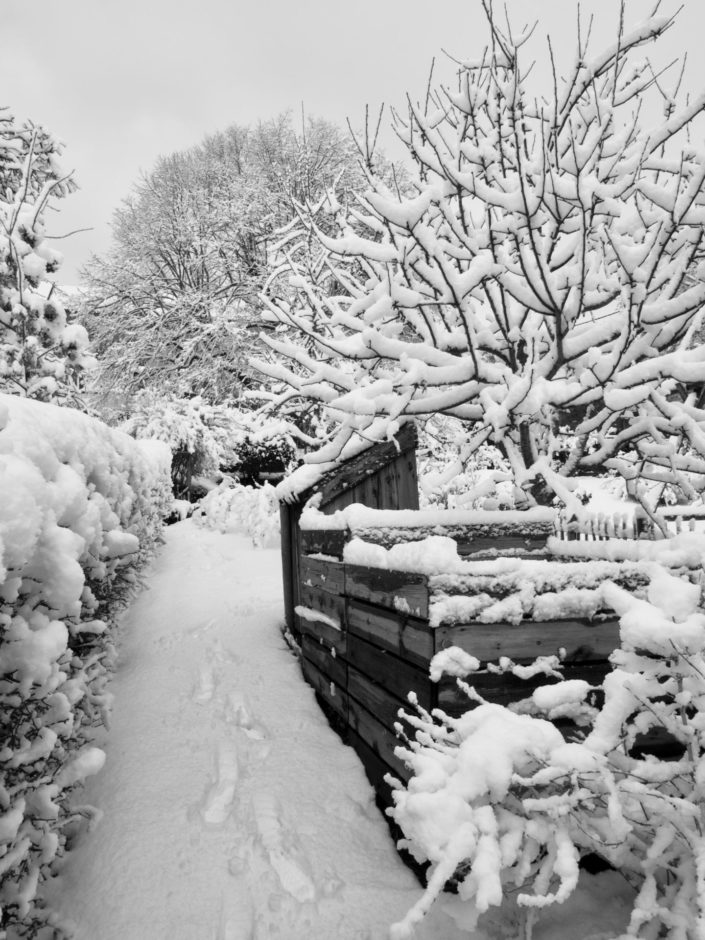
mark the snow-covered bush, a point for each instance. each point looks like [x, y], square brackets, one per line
[196, 432]
[205, 439]
[42, 354]
[232, 507]
[502, 804]
[80, 510]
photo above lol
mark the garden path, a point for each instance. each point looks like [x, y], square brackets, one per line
[230, 809]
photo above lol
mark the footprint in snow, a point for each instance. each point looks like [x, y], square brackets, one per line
[238, 712]
[205, 685]
[293, 878]
[219, 799]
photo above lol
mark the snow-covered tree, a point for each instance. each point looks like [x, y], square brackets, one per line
[42, 354]
[174, 305]
[545, 273]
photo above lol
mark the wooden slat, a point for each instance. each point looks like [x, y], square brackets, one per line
[377, 700]
[391, 672]
[376, 768]
[324, 633]
[323, 541]
[331, 666]
[288, 527]
[408, 637]
[325, 575]
[583, 641]
[506, 689]
[406, 475]
[500, 543]
[377, 736]
[397, 590]
[332, 605]
[332, 693]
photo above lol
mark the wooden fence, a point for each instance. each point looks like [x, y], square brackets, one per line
[367, 642]
[383, 477]
[365, 633]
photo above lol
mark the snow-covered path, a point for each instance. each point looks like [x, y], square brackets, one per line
[231, 810]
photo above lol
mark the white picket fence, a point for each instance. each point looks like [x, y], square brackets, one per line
[635, 524]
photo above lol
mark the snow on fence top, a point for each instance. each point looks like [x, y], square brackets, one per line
[81, 508]
[362, 517]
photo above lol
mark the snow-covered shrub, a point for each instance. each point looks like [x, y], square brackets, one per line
[501, 803]
[205, 439]
[261, 453]
[42, 354]
[237, 508]
[196, 432]
[80, 510]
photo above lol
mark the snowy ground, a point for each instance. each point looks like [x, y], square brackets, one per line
[231, 810]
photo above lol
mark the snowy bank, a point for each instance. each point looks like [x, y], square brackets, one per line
[81, 509]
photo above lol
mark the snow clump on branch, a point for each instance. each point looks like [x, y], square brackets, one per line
[543, 274]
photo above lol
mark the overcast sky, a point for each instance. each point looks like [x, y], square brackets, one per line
[123, 82]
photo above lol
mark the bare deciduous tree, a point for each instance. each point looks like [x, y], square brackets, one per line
[544, 274]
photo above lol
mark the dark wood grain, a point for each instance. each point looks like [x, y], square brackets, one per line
[388, 588]
[409, 637]
[583, 640]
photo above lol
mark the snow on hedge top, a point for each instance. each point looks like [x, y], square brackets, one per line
[357, 516]
[69, 486]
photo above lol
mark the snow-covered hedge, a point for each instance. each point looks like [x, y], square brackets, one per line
[253, 510]
[501, 803]
[80, 509]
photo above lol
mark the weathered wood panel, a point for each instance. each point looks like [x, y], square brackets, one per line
[583, 641]
[331, 666]
[323, 632]
[288, 517]
[397, 590]
[506, 689]
[323, 542]
[324, 575]
[367, 464]
[408, 637]
[393, 673]
[332, 606]
[500, 543]
[331, 692]
[376, 699]
[377, 736]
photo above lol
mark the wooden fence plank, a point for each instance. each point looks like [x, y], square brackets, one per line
[376, 699]
[324, 633]
[376, 768]
[364, 465]
[324, 575]
[397, 590]
[389, 671]
[408, 637]
[323, 541]
[583, 641]
[332, 693]
[500, 543]
[377, 736]
[331, 666]
[332, 606]
[506, 689]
